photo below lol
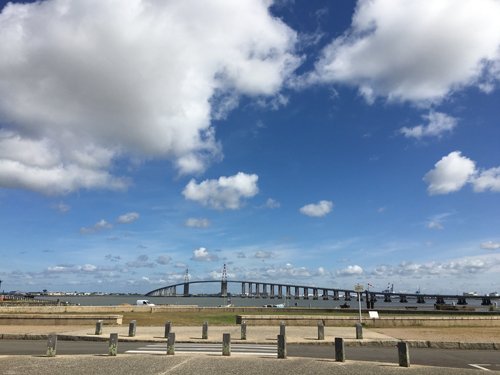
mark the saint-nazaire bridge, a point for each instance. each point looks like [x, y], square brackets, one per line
[255, 289]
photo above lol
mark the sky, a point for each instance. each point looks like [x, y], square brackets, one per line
[320, 143]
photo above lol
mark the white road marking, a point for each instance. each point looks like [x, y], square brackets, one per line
[480, 366]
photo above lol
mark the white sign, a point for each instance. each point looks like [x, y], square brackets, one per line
[373, 314]
[359, 288]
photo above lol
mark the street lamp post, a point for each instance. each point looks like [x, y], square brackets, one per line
[358, 288]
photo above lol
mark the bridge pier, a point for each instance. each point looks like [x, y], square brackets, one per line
[462, 301]
[243, 289]
[264, 290]
[336, 295]
[315, 293]
[306, 293]
[387, 298]
[325, 294]
[280, 291]
[271, 291]
[297, 292]
[347, 296]
[257, 290]
[186, 290]
[440, 300]
[288, 292]
[402, 298]
[486, 301]
[420, 299]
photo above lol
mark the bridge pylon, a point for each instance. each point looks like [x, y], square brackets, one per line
[223, 283]
[186, 284]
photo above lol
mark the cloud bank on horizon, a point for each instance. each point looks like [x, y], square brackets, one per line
[391, 116]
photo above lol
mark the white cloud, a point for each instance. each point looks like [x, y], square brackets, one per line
[437, 221]
[197, 223]
[261, 254]
[142, 261]
[350, 271]
[223, 193]
[83, 84]
[272, 203]
[415, 50]
[97, 227]
[61, 207]
[490, 245]
[128, 218]
[163, 259]
[460, 267]
[319, 209]
[453, 171]
[437, 124]
[488, 179]
[450, 174]
[203, 255]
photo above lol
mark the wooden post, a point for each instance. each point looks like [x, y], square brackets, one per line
[359, 331]
[168, 328]
[98, 327]
[113, 344]
[321, 330]
[339, 349]
[244, 330]
[171, 343]
[403, 354]
[281, 346]
[226, 344]
[132, 328]
[282, 328]
[51, 345]
[204, 331]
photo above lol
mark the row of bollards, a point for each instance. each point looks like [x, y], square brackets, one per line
[403, 350]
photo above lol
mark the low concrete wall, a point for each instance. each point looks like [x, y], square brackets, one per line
[383, 322]
[57, 319]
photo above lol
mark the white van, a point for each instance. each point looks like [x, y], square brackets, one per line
[144, 302]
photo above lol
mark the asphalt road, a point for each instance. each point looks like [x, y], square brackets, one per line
[465, 359]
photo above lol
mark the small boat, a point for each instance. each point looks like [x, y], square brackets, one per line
[494, 294]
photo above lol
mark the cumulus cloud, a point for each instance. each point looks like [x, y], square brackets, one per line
[223, 193]
[450, 174]
[97, 227]
[261, 254]
[197, 223]
[272, 203]
[437, 124]
[203, 255]
[319, 209]
[142, 261]
[490, 245]
[350, 271]
[163, 259]
[415, 50]
[453, 171]
[488, 179]
[461, 266]
[128, 218]
[85, 84]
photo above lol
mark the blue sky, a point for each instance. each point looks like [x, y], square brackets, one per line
[323, 143]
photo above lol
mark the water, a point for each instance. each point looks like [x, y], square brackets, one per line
[112, 300]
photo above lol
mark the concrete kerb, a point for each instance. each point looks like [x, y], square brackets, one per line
[348, 342]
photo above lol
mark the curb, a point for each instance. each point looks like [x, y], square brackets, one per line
[348, 342]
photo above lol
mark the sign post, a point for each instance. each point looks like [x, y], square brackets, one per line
[359, 288]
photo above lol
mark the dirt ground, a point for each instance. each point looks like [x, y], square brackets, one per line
[464, 334]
